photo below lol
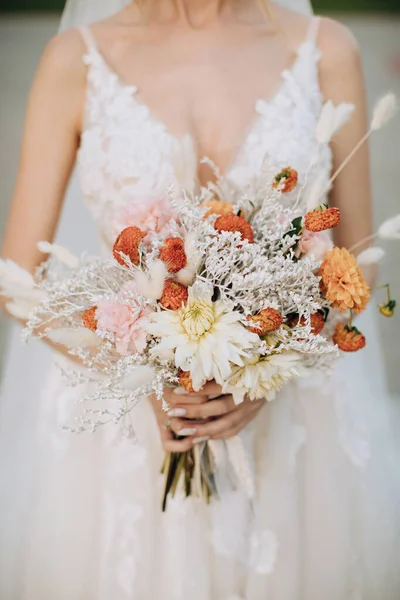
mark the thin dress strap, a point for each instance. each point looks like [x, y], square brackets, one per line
[88, 38]
[313, 29]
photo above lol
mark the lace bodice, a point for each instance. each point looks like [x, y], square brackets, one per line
[127, 155]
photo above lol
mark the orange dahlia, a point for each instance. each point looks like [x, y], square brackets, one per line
[89, 319]
[342, 282]
[316, 321]
[286, 180]
[235, 223]
[217, 207]
[348, 339]
[173, 254]
[174, 295]
[266, 321]
[128, 243]
[322, 218]
[185, 381]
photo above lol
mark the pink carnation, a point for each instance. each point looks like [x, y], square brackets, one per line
[126, 322]
[317, 244]
[149, 214]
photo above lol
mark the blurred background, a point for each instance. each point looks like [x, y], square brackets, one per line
[26, 25]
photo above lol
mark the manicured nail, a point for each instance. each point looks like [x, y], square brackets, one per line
[180, 391]
[177, 412]
[187, 431]
[200, 440]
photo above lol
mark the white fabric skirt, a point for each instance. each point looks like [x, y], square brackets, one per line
[81, 517]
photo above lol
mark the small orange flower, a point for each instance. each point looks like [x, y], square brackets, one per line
[348, 339]
[322, 218]
[286, 180]
[128, 243]
[173, 254]
[185, 381]
[217, 207]
[235, 223]
[174, 295]
[89, 319]
[316, 321]
[266, 321]
[342, 282]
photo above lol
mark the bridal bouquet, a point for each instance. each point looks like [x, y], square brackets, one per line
[223, 287]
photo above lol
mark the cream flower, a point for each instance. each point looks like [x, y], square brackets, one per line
[206, 337]
[264, 376]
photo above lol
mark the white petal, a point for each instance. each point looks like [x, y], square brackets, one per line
[63, 255]
[371, 256]
[79, 337]
[383, 111]
[139, 376]
[390, 229]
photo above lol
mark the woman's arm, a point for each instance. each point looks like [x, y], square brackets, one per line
[50, 142]
[342, 80]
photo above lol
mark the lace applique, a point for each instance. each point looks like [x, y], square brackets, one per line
[127, 154]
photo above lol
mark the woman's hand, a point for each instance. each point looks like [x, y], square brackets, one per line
[197, 417]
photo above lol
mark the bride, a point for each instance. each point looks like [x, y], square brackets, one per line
[136, 94]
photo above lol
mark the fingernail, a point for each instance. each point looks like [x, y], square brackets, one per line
[180, 391]
[187, 431]
[200, 440]
[177, 412]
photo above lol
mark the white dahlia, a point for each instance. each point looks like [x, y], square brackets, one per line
[206, 337]
[264, 376]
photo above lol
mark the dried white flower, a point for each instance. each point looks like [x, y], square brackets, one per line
[390, 229]
[63, 255]
[78, 337]
[370, 256]
[151, 284]
[384, 110]
[331, 120]
[138, 377]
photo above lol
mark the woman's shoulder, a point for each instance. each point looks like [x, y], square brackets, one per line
[332, 37]
[64, 51]
[336, 42]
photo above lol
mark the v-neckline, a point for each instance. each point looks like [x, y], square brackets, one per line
[256, 115]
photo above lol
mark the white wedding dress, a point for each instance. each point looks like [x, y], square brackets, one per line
[326, 482]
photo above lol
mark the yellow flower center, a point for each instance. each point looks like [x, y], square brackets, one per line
[197, 318]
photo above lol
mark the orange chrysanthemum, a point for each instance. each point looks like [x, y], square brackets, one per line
[174, 295]
[266, 321]
[316, 321]
[173, 254]
[89, 319]
[322, 218]
[217, 207]
[286, 180]
[348, 339]
[235, 223]
[185, 381]
[128, 243]
[342, 282]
